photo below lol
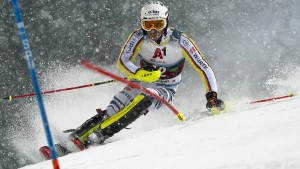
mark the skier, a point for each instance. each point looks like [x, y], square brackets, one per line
[162, 52]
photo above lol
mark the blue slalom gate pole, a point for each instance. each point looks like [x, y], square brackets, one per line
[37, 90]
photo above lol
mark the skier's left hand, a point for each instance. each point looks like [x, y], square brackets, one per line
[213, 101]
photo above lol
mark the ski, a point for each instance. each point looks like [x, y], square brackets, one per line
[101, 126]
[60, 151]
[45, 152]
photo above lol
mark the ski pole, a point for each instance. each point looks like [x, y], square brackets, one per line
[58, 90]
[134, 85]
[274, 98]
[33, 75]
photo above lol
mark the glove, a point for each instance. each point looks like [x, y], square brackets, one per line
[146, 76]
[213, 101]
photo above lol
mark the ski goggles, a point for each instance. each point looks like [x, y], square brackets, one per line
[154, 24]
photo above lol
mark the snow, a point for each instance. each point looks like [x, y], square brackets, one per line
[260, 136]
[252, 46]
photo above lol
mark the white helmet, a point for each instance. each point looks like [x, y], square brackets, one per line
[154, 11]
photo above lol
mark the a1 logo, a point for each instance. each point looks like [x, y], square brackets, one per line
[160, 53]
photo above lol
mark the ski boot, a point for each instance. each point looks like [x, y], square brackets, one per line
[101, 126]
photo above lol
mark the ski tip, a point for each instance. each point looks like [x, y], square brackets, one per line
[78, 144]
[45, 152]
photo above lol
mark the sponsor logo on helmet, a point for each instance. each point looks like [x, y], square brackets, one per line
[153, 12]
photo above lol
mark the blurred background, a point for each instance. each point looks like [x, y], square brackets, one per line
[252, 46]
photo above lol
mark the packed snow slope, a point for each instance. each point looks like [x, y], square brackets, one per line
[259, 136]
[252, 46]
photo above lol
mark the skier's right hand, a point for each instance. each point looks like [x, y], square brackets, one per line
[146, 76]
